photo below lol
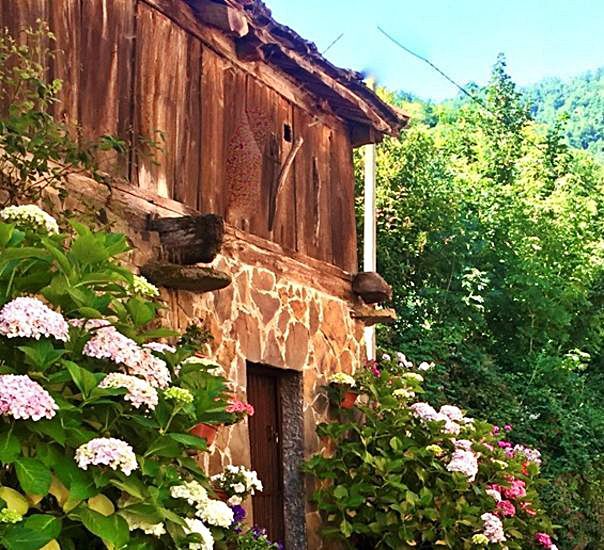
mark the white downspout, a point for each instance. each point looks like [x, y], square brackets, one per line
[369, 230]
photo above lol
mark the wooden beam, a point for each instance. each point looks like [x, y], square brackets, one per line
[249, 48]
[180, 277]
[372, 316]
[363, 134]
[189, 240]
[372, 287]
[222, 16]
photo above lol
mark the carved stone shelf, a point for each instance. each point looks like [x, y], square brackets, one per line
[180, 277]
[189, 240]
[371, 287]
[372, 316]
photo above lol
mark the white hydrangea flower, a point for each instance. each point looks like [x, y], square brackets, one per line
[413, 376]
[134, 522]
[142, 287]
[195, 526]
[235, 500]
[343, 379]
[107, 451]
[215, 512]
[139, 392]
[239, 488]
[192, 491]
[403, 361]
[493, 528]
[402, 393]
[425, 366]
[26, 317]
[30, 215]
[494, 493]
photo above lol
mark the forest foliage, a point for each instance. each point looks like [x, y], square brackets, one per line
[580, 100]
[490, 230]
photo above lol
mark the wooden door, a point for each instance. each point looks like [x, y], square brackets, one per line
[265, 445]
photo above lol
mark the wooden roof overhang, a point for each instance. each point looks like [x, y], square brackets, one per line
[340, 91]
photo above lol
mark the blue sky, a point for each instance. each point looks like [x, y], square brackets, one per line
[540, 38]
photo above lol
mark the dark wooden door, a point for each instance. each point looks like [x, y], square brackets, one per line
[265, 445]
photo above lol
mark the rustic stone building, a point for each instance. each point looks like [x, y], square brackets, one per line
[257, 128]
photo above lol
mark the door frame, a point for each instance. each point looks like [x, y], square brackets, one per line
[291, 446]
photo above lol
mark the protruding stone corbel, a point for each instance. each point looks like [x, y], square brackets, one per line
[220, 15]
[372, 287]
[189, 240]
[372, 316]
[181, 277]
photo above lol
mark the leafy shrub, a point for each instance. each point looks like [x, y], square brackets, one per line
[95, 415]
[398, 474]
[490, 232]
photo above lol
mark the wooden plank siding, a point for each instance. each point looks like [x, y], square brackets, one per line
[105, 81]
[130, 70]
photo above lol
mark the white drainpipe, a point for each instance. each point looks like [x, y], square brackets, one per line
[369, 230]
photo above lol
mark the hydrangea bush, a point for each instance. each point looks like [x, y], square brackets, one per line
[95, 414]
[397, 473]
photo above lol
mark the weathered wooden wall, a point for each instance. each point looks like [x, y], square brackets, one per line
[147, 68]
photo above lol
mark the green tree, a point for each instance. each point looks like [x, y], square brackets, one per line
[490, 231]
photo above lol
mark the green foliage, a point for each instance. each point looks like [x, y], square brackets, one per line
[384, 480]
[490, 231]
[49, 493]
[37, 151]
[581, 100]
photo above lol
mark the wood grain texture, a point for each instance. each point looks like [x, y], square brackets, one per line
[341, 192]
[105, 85]
[284, 226]
[211, 193]
[160, 97]
[65, 22]
[188, 165]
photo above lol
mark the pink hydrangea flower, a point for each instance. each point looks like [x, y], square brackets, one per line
[372, 365]
[425, 412]
[452, 412]
[532, 455]
[107, 451]
[26, 317]
[464, 444]
[22, 398]
[544, 540]
[108, 343]
[160, 347]
[506, 508]
[516, 490]
[495, 430]
[150, 368]
[508, 428]
[464, 462]
[239, 407]
[493, 528]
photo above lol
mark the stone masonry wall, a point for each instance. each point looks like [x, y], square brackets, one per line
[277, 317]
